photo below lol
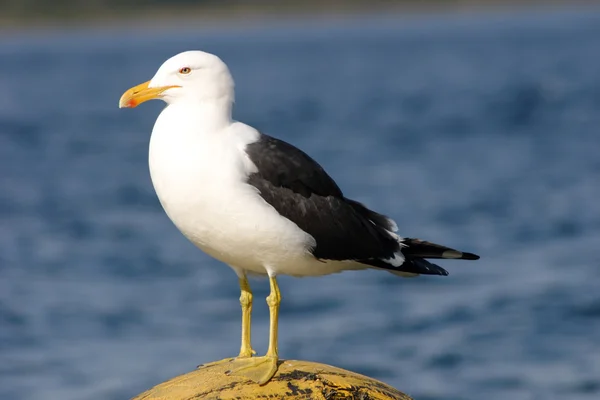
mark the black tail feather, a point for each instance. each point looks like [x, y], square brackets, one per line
[411, 265]
[422, 267]
[415, 251]
[422, 249]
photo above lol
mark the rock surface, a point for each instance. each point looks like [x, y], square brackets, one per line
[293, 380]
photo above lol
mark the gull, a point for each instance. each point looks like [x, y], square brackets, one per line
[256, 203]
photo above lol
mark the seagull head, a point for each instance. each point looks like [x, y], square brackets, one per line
[191, 76]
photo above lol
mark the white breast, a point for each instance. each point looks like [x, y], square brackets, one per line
[200, 178]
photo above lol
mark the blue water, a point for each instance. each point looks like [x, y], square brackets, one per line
[478, 131]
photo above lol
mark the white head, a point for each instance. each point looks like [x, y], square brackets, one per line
[191, 76]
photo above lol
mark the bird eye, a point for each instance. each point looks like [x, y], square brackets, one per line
[185, 70]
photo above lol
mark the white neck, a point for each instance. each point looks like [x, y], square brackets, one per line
[213, 114]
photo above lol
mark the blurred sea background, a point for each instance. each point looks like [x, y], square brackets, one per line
[476, 128]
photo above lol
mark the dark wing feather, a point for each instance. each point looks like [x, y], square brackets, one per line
[300, 190]
[286, 166]
[423, 249]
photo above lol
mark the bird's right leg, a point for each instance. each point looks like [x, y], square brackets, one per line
[246, 303]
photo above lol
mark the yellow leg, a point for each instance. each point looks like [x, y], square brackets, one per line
[262, 369]
[246, 303]
[273, 300]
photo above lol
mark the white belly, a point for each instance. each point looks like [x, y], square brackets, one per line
[200, 182]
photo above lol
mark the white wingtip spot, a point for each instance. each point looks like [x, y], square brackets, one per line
[393, 225]
[452, 254]
[395, 261]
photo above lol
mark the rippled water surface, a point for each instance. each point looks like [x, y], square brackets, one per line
[476, 131]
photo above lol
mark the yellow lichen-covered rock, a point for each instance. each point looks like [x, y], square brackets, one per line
[293, 380]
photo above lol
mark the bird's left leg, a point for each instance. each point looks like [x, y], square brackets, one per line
[262, 369]
[246, 303]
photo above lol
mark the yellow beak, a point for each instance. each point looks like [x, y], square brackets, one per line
[140, 94]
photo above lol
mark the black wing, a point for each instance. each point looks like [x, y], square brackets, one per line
[300, 190]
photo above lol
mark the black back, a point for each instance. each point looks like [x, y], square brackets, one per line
[300, 190]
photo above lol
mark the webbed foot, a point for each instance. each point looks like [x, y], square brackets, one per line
[257, 369]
